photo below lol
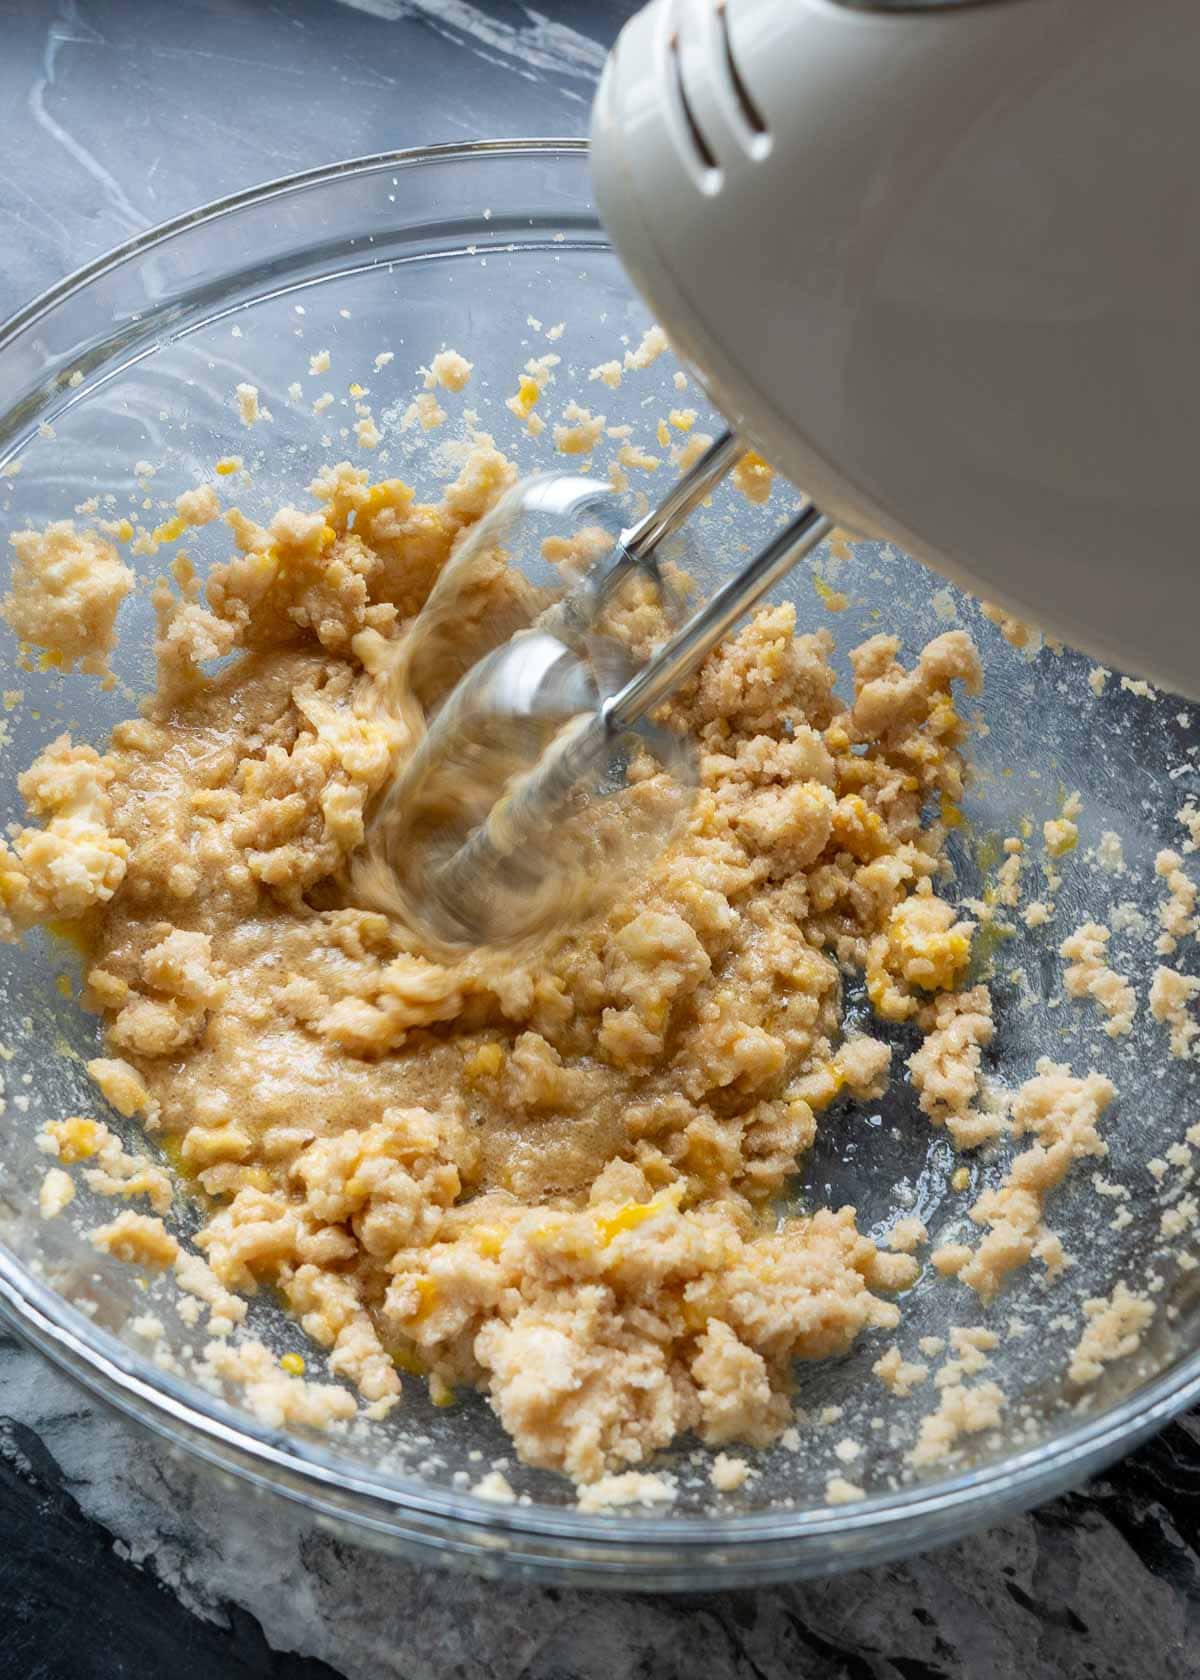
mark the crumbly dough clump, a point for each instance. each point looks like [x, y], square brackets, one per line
[946, 1070]
[1024, 637]
[552, 1176]
[1113, 1331]
[1063, 1113]
[1088, 975]
[67, 588]
[73, 861]
[449, 368]
[1171, 996]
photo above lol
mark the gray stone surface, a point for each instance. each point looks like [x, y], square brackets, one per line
[118, 1558]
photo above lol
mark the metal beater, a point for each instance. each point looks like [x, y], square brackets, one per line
[523, 801]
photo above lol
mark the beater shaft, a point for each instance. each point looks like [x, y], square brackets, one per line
[510, 830]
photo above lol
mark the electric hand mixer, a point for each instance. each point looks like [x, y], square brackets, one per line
[937, 261]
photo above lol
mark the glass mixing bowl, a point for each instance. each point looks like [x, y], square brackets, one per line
[134, 360]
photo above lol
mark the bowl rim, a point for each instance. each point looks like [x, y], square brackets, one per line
[450, 151]
[229, 1437]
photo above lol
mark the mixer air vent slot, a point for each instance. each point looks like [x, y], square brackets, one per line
[752, 116]
[704, 152]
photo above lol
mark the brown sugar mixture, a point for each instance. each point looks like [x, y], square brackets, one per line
[554, 1177]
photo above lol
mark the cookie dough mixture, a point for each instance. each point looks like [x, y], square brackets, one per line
[556, 1178]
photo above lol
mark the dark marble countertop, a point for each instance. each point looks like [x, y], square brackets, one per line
[118, 114]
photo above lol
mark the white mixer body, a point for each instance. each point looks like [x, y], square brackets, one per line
[940, 264]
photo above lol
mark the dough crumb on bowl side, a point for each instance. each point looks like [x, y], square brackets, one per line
[199, 506]
[626, 1487]
[1063, 1112]
[580, 430]
[74, 860]
[1060, 834]
[946, 1069]
[898, 1374]
[450, 369]
[250, 409]
[651, 346]
[1026, 638]
[1113, 1331]
[424, 411]
[753, 477]
[728, 1473]
[495, 1486]
[140, 1239]
[1188, 816]
[962, 1410]
[56, 1192]
[67, 587]
[276, 1396]
[1171, 997]
[1177, 912]
[1089, 976]
[112, 1170]
[906, 1235]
